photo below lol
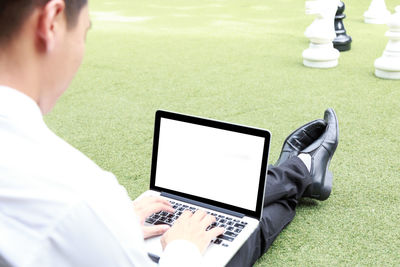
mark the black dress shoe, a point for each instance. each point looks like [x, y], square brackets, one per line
[300, 139]
[321, 152]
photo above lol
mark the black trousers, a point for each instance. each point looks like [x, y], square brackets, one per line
[285, 186]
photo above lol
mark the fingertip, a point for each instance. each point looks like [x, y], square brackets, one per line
[172, 211]
[168, 207]
[165, 227]
[212, 217]
[166, 201]
[216, 232]
[200, 214]
[219, 230]
[186, 213]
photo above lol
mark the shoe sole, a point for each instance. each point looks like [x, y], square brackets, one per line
[326, 189]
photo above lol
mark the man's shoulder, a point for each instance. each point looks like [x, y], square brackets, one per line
[40, 168]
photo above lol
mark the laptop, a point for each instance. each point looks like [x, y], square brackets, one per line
[219, 167]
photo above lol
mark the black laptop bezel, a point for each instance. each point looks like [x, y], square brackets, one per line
[219, 125]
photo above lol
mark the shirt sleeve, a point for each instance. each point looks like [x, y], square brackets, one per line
[81, 239]
[104, 231]
[180, 253]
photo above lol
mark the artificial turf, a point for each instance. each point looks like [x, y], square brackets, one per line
[240, 61]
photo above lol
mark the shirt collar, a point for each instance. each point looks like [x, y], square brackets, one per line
[16, 105]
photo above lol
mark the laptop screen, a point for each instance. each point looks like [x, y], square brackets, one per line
[210, 160]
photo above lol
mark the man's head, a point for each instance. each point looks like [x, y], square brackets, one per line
[14, 12]
[41, 46]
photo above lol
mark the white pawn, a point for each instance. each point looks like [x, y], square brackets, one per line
[321, 53]
[388, 65]
[377, 13]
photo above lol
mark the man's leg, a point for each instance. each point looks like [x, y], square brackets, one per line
[291, 180]
[285, 186]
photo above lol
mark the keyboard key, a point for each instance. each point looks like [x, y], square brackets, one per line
[225, 245]
[217, 241]
[230, 228]
[238, 225]
[222, 220]
[150, 220]
[159, 222]
[229, 223]
[221, 216]
[238, 230]
[227, 238]
[229, 233]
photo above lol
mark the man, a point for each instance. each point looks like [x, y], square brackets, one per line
[58, 208]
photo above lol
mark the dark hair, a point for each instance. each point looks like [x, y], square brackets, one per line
[14, 12]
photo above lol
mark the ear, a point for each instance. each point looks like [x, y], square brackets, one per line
[51, 22]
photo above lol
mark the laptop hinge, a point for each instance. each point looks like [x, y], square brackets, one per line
[204, 205]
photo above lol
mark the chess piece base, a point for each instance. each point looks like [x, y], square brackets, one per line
[342, 43]
[343, 47]
[390, 75]
[375, 20]
[320, 64]
[387, 68]
[321, 56]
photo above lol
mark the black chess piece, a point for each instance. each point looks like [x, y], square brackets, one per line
[342, 42]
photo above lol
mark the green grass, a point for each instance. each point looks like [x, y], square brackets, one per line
[240, 61]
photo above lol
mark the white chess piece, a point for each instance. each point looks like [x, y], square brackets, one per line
[377, 13]
[388, 65]
[321, 53]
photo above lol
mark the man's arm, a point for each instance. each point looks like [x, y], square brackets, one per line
[81, 238]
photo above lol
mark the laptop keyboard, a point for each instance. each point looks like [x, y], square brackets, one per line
[232, 226]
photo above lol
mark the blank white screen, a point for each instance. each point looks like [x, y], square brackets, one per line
[211, 163]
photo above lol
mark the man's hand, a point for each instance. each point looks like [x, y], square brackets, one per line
[146, 206]
[192, 227]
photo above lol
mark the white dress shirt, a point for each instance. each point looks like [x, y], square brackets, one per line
[57, 207]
